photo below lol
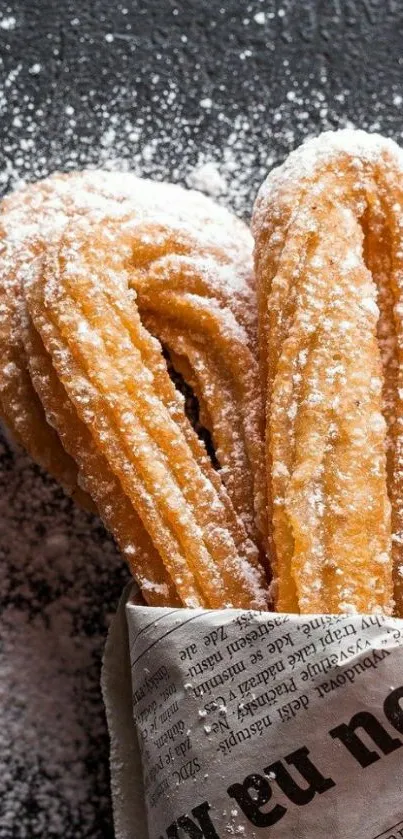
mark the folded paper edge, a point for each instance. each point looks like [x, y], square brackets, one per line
[129, 811]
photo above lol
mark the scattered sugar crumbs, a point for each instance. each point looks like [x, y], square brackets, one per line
[61, 574]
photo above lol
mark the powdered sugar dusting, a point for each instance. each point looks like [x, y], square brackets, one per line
[88, 121]
[334, 206]
[304, 161]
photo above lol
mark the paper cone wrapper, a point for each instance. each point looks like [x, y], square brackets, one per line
[252, 724]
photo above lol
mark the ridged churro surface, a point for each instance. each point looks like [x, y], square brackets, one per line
[100, 264]
[328, 256]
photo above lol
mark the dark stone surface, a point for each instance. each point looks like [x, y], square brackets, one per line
[73, 73]
[151, 63]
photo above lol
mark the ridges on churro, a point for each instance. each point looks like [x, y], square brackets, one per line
[191, 534]
[328, 232]
[99, 273]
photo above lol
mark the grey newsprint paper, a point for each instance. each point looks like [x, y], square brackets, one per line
[254, 724]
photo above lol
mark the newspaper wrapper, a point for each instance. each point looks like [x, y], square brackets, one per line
[233, 723]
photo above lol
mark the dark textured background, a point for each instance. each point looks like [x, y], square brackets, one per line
[153, 62]
[161, 87]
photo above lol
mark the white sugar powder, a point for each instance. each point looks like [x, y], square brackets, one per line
[59, 567]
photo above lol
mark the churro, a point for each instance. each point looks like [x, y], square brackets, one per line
[328, 233]
[96, 478]
[206, 318]
[102, 379]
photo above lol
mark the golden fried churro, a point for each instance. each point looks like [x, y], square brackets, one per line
[328, 233]
[114, 374]
[105, 387]
[101, 484]
[204, 315]
[27, 220]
